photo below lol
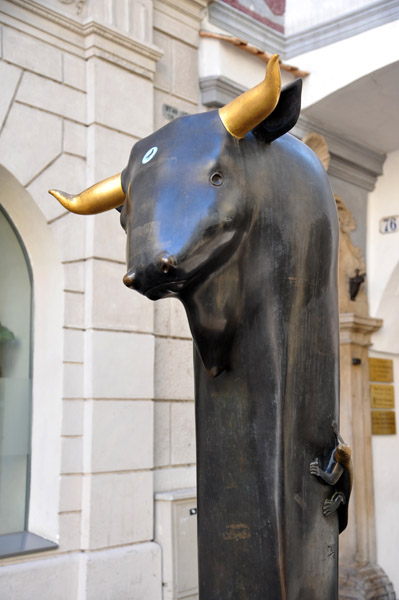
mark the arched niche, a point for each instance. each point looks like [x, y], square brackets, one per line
[47, 346]
[15, 378]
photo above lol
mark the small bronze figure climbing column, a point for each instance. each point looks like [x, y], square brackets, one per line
[338, 473]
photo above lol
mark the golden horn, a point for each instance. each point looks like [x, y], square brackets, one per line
[250, 108]
[102, 196]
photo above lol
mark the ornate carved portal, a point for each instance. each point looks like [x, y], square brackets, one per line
[352, 267]
[360, 577]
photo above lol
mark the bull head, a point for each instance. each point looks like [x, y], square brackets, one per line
[188, 199]
[239, 117]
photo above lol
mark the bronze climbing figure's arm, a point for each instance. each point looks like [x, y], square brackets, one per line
[330, 478]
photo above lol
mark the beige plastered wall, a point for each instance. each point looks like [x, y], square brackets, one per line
[383, 282]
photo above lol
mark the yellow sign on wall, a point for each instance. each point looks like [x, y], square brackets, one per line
[381, 369]
[383, 422]
[382, 396]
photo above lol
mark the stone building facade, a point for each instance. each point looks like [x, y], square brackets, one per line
[103, 434]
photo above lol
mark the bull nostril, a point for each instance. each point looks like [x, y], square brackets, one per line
[128, 279]
[166, 264]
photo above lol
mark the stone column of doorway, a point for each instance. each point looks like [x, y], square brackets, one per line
[359, 574]
[360, 577]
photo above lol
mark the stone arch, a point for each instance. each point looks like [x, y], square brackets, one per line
[47, 369]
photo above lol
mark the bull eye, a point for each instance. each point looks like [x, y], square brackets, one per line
[216, 178]
[149, 155]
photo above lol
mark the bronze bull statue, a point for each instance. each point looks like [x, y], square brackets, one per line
[236, 219]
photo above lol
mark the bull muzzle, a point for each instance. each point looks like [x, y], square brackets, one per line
[161, 274]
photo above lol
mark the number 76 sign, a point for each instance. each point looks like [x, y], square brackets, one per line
[389, 224]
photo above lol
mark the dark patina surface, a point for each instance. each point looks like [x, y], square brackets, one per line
[244, 233]
[234, 218]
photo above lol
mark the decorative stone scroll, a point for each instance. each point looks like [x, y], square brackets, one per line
[351, 261]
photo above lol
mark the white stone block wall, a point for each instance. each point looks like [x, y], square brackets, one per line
[81, 82]
[176, 85]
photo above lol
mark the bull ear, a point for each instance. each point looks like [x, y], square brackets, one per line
[284, 116]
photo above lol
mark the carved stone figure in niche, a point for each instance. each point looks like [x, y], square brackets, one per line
[351, 265]
[339, 473]
[355, 282]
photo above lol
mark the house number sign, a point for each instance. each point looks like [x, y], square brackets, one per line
[389, 224]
